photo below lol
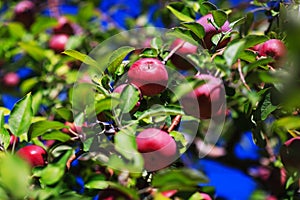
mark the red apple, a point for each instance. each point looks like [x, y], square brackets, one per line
[275, 49]
[205, 196]
[24, 13]
[149, 75]
[11, 79]
[64, 26]
[157, 147]
[34, 155]
[209, 97]
[256, 47]
[289, 154]
[210, 31]
[13, 139]
[169, 193]
[58, 42]
[187, 48]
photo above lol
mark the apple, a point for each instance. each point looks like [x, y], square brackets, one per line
[11, 79]
[13, 139]
[24, 13]
[210, 31]
[256, 47]
[275, 49]
[289, 154]
[205, 196]
[58, 42]
[209, 97]
[149, 75]
[34, 155]
[64, 26]
[169, 193]
[73, 127]
[187, 48]
[157, 147]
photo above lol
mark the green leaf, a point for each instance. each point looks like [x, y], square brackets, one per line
[196, 28]
[41, 127]
[97, 182]
[156, 43]
[182, 33]
[16, 30]
[149, 53]
[180, 139]
[56, 135]
[180, 11]
[21, 114]
[237, 22]
[4, 134]
[252, 40]
[125, 143]
[64, 113]
[42, 23]
[161, 111]
[15, 176]
[129, 98]
[232, 51]
[207, 7]
[86, 12]
[248, 56]
[74, 41]
[35, 51]
[288, 123]
[36, 101]
[82, 57]
[178, 178]
[259, 62]
[55, 171]
[220, 17]
[107, 103]
[185, 88]
[117, 57]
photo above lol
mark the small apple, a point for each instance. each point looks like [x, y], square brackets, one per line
[187, 48]
[275, 49]
[13, 140]
[58, 42]
[149, 75]
[210, 31]
[64, 26]
[73, 127]
[157, 147]
[11, 79]
[209, 97]
[24, 13]
[34, 155]
[289, 154]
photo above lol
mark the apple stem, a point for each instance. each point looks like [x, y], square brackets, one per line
[173, 51]
[242, 75]
[175, 122]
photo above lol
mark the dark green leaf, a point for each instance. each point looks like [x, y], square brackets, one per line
[220, 17]
[117, 57]
[237, 22]
[20, 117]
[252, 40]
[248, 56]
[42, 23]
[196, 28]
[207, 7]
[108, 103]
[41, 127]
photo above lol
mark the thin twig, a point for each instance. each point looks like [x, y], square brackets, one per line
[175, 122]
[242, 75]
[173, 51]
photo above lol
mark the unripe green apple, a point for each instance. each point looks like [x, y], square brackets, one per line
[209, 97]
[157, 147]
[34, 155]
[149, 75]
[210, 31]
